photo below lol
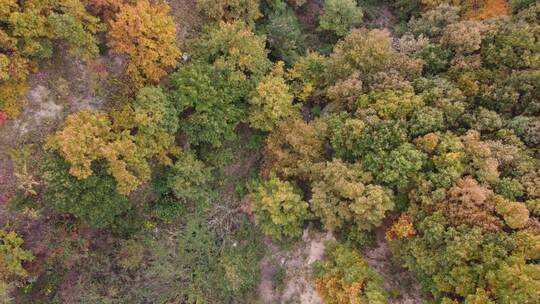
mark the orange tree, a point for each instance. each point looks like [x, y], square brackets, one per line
[344, 277]
[147, 35]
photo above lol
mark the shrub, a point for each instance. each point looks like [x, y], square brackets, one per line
[11, 258]
[130, 255]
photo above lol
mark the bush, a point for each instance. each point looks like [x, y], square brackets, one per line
[11, 258]
[130, 255]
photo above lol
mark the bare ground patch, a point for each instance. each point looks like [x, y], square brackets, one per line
[397, 281]
[296, 285]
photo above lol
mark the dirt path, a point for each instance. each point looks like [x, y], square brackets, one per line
[396, 279]
[296, 286]
[382, 17]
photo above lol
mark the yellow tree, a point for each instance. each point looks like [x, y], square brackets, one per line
[27, 32]
[89, 136]
[147, 35]
[271, 102]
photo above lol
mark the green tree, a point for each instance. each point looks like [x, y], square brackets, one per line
[342, 196]
[188, 178]
[279, 208]
[284, 35]
[211, 103]
[94, 199]
[452, 261]
[230, 10]
[271, 103]
[235, 49]
[339, 16]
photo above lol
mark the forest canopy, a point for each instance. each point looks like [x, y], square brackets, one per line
[270, 151]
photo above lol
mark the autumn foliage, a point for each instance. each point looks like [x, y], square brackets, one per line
[147, 35]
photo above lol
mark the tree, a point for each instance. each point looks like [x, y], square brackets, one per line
[26, 37]
[34, 25]
[515, 214]
[307, 75]
[452, 261]
[284, 35]
[433, 22]
[279, 208]
[106, 9]
[392, 104]
[87, 137]
[147, 35]
[426, 120]
[511, 45]
[271, 103]
[515, 282]
[94, 199]
[400, 229]
[236, 50]
[339, 16]
[211, 103]
[188, 178]
[361, 50]
[463, 37]
[344, 277]
[399, 166]
[293, 148]
[471, 204]
[11, 94]
[230, 10]
[342, 196]
[344, 93]
[91, 136]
